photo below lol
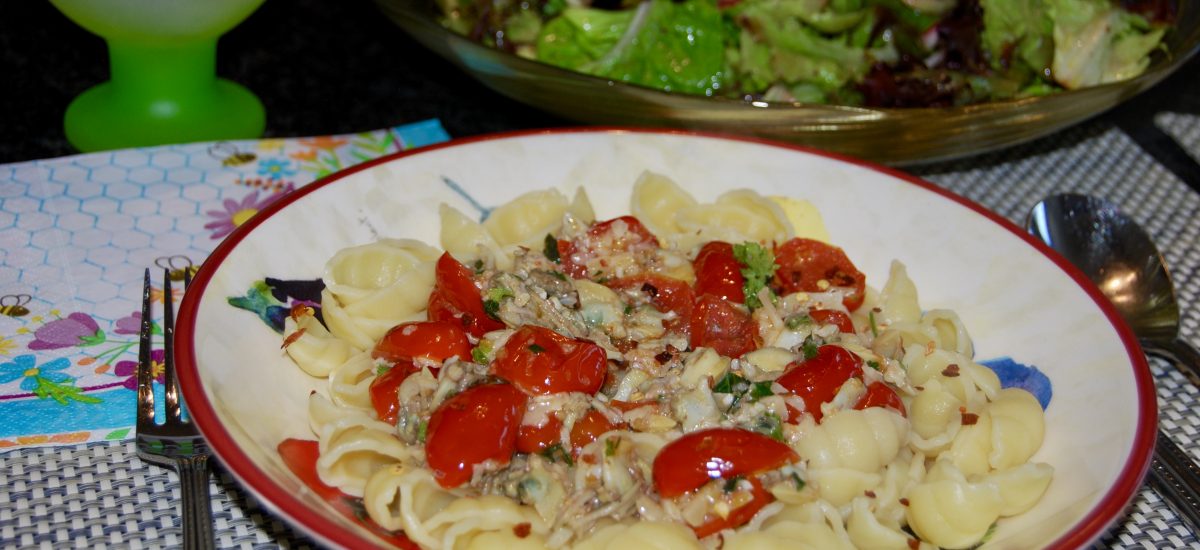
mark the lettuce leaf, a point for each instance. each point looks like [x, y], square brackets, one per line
[1095, 42]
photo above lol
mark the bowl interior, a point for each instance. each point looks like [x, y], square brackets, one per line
[1015, 299]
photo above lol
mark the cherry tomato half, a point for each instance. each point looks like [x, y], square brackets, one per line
[474, 426]
[722, 326]
[832, 317]
[738, 516]
[455, 298]
[432, 340]
[589, 428]
[540, 361]
[535, 439]
[818, 380]
[718, 272]
[803, 263]
[384, 388]
[881, 395]
[701, 456]
[634, 236]
[666, 295]
[300, 456]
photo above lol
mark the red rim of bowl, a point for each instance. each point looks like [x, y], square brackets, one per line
[1087, 530]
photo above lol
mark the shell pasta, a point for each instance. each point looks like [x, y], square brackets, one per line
[693, 375]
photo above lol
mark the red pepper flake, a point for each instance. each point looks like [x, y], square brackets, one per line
[663, 357]
[914, 544]
[969, 419]
[521, 530]
[903, 501]
[877, 310]
[870, 494]
[292, 338]
[950, 371]
[300, 310]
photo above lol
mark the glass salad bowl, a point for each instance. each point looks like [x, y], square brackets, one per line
[886, 135]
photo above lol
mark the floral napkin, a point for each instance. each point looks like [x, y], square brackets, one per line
[76, 234]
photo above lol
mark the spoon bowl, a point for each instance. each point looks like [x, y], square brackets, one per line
[1118, 256]
[1121, 259]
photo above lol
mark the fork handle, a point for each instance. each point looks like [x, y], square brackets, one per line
[197, 502]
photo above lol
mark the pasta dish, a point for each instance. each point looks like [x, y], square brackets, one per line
[690, 375]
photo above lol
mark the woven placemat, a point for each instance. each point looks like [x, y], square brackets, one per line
[101, 496]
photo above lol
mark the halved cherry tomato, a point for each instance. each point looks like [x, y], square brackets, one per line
[818, 380]
[591, 426]
[718, 272]
[666, 295]
[738, 516]
[635, 236]
[881, 395]
[803, 263]
[535, 439]
[722, 326]
[384, 388]
[455, 298]
[474, 426]
[300, 456]
[701, 456]
[540, 361]
[432, 340]
[832, 317]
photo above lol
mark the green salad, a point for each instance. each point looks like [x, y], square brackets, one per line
[882, 53]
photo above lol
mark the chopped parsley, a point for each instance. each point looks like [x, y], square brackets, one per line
[739, 387]
[871, 319]
[874, 365]
[478, 267]
[555, 453]
[771, 425]
[758, 267]
[810, 347]
[536, 348]
[481, 352]
[796, 321]
[799, 482]
[551, 249]
[381, 369]
[610, 446]
[491, 305]
[422, 428]
[731, 484]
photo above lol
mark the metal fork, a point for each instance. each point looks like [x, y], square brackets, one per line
[175, 443]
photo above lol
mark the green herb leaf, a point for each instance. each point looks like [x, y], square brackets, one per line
[760, 390]
[771, 425]
[610, 446]
[796, 321]
[492, 309]
[381, 369]
[731, 484]
[810, 347]
[758, 267]
[555, 453]
[478, 266]
[731, 383]
[799, 482]
[481, 352]
[551, 249]
[874, 365]
[422, 428]
[536, 348]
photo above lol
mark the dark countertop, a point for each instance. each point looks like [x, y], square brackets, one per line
[325, 68]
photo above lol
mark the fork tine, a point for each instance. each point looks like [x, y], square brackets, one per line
[145, 396]
[171, 390]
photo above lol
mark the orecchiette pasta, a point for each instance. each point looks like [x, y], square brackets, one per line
[600, 385]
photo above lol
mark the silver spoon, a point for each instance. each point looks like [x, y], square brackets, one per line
[1118, 255]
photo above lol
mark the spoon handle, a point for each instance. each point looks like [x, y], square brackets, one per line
[1178, 351]
[1177, 478]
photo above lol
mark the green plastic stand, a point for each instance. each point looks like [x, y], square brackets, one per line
[163, 87]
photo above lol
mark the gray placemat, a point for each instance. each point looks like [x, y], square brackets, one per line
[101, 496]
